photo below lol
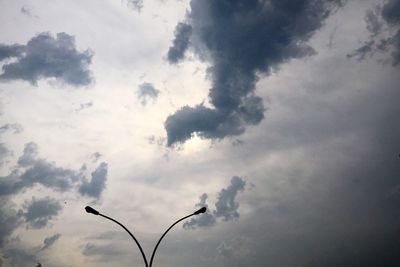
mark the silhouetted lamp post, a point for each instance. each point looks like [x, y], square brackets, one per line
[95, 212]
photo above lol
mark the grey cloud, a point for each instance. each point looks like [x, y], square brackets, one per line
[96, 185]
[4, 153]
[208, 123]
[330, 197]
[36, 213]
[226, 206]
[105, 253]
[224, 250]
[147, 91]
[240, 39]
[391, 11]
[10, 51]
[28, 12]
[17, 257]
[374, 22]
[135, 4]
[49, 175]
[180, 44]
[10, 219]
[14, 127]
[379, 20]
[47, 57]
[29, 155]
[32, 170]
[361, 52]
[84, 106]
[49, 241]
[110, 235]
[96, 156]
[206, 219]
[39, 212]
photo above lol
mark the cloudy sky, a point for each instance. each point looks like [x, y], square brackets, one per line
[280, 116]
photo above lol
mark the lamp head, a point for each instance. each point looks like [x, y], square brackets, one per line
[91, 210]
[202, 210]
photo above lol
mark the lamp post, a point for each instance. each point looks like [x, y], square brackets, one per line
[95, 212]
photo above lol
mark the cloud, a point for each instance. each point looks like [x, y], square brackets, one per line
[36, 213]
[206, 219]
[226, 206]
[49, 241]
[181, 42]
[224, 250]
[240, 40]
[96, 185]
[47, 57]
[17, 257]
[105, 253]
[96, 156]
[10, 51]
[383, 23]
[39, 212]
[135, 4]
[84, 106]
[28, 12]
[4, 153]
[146, 91]
[391, 11]
[29, 155]
[10, 219]
[32, 170]
[14, 127]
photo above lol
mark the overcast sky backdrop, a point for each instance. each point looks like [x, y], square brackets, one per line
[280, 116]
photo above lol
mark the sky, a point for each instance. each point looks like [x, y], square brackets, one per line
[281, 117]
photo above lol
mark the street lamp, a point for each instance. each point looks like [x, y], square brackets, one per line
[95, 212]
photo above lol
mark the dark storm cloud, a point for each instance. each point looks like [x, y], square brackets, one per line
[391, 11]
[14, 127]
[47, 57]
[380, 20]
[10, 51]
[209, 123]
[96, 185]
[40, 211]
[180, 44]
[49, 241]
[145, 92]
[240, 39]
[226, 206]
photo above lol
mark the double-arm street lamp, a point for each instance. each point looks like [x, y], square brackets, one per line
[95, 212]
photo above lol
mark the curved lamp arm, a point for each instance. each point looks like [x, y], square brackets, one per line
[95, 212]
[202, 210]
